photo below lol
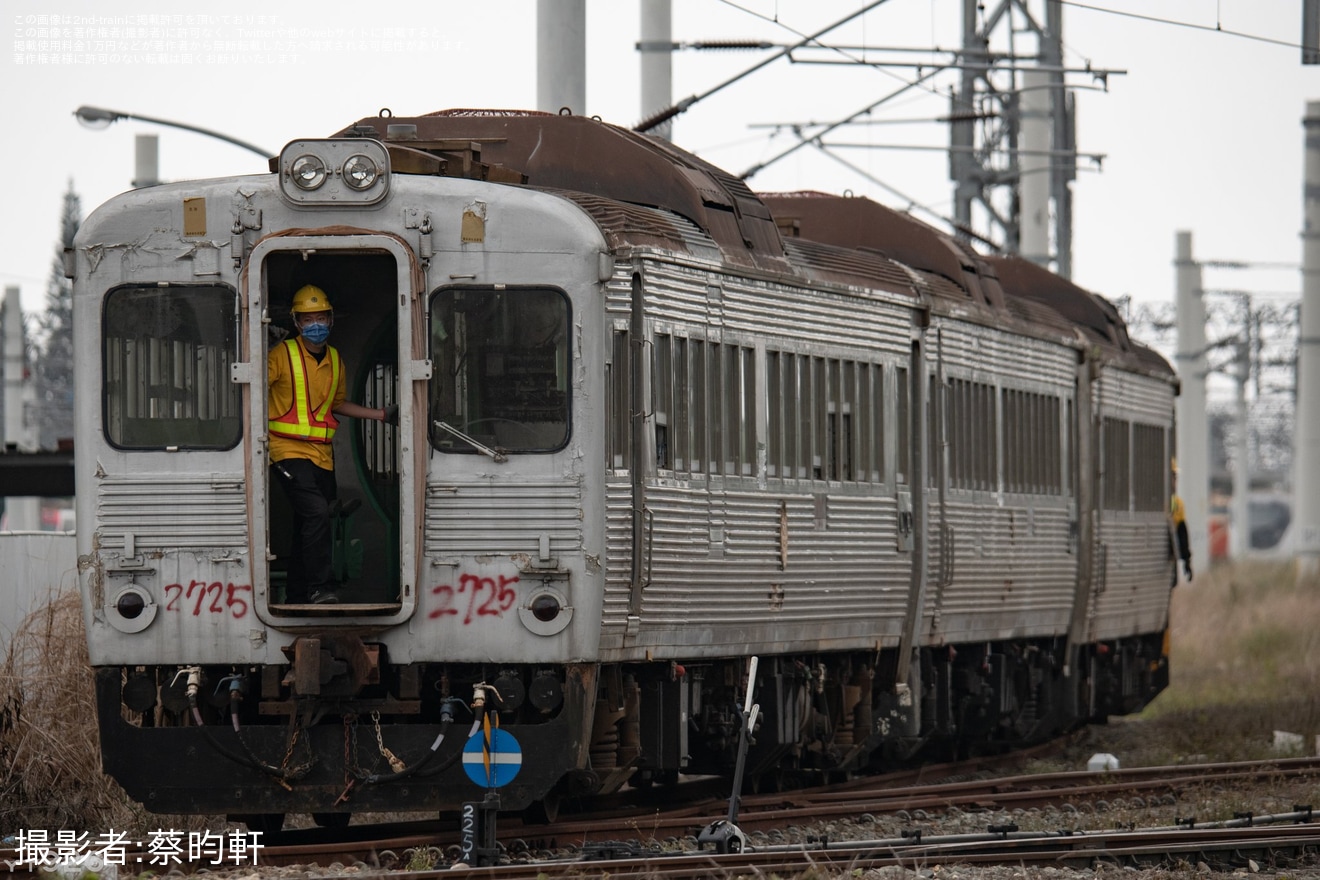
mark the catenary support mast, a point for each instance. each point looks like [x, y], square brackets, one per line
[1306, 482]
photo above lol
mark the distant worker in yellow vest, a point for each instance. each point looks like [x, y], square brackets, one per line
[307, 394]
[1179, 543]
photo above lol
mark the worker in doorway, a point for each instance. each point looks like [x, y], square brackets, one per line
[307, 394]
[1180, 545]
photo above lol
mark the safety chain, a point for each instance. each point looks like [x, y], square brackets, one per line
[395, 764]
[300, 770]
[350, 759]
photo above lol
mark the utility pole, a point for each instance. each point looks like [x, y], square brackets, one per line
[1306, 454]
[1240, 531]
[561, 56]
[657, 57]
[23, 513]
[146, 155]
[1193, 427]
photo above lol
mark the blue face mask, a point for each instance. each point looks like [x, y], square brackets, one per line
[315, 333]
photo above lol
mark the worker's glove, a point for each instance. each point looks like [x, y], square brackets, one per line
[392, 416]
[1187, 568]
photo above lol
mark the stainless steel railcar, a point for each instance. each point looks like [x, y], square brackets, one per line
[652, 424]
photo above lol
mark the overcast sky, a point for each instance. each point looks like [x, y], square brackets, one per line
[1202, 132]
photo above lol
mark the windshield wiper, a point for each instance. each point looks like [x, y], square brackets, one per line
[495, 456]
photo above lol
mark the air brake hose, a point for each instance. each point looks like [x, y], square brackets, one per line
[446, 719]
[194, 686]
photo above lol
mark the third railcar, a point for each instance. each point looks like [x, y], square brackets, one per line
[651, 424]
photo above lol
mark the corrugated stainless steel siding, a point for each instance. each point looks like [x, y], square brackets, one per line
[503, 517]
[680, 294]
[827, 318]
[618, 292]
[677, 293]
[991, 353]
[1009, 577]
[1137, 398]
[170, 512]
[618, 552]
[1133, 596]
[716, 580]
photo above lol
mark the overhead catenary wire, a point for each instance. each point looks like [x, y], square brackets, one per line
[683, 105]
[1217, 29]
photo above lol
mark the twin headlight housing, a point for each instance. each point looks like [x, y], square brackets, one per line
[335, 171]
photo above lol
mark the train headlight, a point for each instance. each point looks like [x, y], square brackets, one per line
[546, 611]
[347, 172]
[360, 171]
[545, 607]
[132, 609]
[307, 172]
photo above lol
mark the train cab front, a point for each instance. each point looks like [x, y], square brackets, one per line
[328, 397]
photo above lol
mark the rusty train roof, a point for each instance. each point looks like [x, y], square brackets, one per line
[580, 154]
[645, 191]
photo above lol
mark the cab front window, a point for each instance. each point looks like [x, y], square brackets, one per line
[166, 363]
[500, 374]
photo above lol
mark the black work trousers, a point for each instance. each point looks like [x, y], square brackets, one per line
[310, 490]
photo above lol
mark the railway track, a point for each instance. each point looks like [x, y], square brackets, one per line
[630, 837]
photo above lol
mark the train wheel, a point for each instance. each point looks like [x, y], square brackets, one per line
[332, 820]
[264, 823]
[544, 811]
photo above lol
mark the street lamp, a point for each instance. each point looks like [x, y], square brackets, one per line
[99, 117]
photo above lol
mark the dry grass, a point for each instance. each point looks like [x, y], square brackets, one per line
[1245, 633]
[1245, 662]
[50, 752]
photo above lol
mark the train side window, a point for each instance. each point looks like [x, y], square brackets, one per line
[733, 411]
[749, 411]
[906, 431]
[166, 359]
[774, 443]
[1055, 446]
[819, 416]
[1117, 472]
[700, 435]
[839, 443]
[1148, 467]
[680, 437]
[935, 420]
[873, 428]
[1033, 443]
[617, 416]
[1012, 440]
[1073, 453]
[501, 373]
[972, 432]
[715, 407]
[662, 380]
[793, 462]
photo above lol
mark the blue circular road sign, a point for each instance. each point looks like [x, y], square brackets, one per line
[494, 766]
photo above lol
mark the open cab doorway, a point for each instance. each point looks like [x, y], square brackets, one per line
[373, 571]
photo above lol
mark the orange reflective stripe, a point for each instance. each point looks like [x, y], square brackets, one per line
[299, 423]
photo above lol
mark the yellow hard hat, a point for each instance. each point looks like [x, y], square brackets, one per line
[310, 298]
[1173, 465]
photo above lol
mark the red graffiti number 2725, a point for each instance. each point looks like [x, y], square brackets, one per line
[486, 597]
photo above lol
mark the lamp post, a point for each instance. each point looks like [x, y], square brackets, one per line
[146, 151]
[99, 117]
